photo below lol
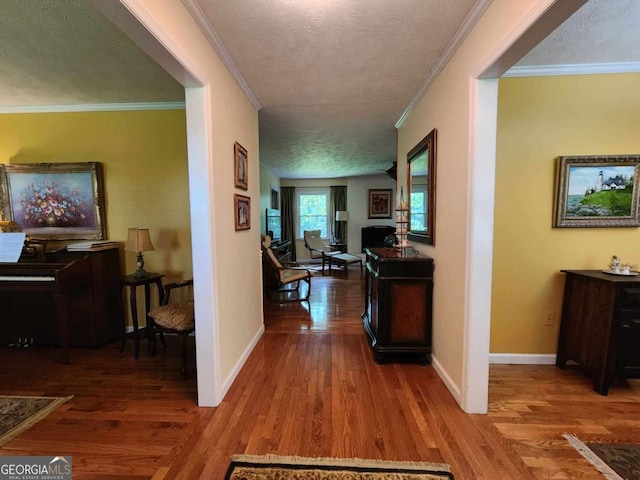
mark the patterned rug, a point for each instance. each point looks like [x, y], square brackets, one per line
[616, 461]
[17, 414]
[272, 467]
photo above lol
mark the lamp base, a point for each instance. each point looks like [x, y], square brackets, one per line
[140, 273]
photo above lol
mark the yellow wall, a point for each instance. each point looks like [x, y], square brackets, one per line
[144, 158]
[539, 119]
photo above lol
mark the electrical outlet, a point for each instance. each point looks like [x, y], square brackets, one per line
[548, 318]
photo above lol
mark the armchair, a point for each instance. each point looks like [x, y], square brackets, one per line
[316, 247]
[281, 277]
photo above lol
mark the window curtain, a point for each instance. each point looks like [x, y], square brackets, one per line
[288, 215]
[337, 201]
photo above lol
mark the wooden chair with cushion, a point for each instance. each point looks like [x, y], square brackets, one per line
[281, 278]
[173, 317]
[316, 246]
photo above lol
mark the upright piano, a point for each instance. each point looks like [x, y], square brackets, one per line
[71, 299]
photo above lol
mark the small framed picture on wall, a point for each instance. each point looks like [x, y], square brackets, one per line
[242, 212]
[380, 203]
[241, 167]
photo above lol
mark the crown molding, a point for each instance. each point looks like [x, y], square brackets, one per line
[215, 41]
[459, 37]
[574, 69]
[96, 107]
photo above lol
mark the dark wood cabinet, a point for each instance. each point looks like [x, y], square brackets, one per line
[398, 304]
[600, 325]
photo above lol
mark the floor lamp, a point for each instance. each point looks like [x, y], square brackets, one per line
[343, 216]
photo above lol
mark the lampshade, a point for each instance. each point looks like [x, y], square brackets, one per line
[139, 240]
[342, 216]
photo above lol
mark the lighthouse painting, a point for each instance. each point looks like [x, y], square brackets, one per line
[597, 191]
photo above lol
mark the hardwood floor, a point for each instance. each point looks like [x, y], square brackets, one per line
[310, 388]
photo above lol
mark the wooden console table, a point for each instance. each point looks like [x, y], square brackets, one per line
[600, 326]
[398, 304]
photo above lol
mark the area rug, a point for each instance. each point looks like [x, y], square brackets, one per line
[272, 467]
[616, 461]
[19, 413]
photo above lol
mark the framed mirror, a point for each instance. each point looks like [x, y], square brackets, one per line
[421, 184]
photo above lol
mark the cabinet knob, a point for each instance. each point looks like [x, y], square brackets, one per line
[626, 325]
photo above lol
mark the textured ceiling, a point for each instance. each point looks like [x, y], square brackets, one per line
[332, 76]
[64, 52]
[602, 31]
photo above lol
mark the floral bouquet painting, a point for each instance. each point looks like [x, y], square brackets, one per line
[55, 201]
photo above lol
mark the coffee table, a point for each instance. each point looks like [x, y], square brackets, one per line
[342, 259]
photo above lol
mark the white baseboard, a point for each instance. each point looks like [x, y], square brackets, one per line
[522, 359]
[245, 355]
[449, 383]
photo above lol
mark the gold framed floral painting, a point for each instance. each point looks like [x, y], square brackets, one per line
[54, 201]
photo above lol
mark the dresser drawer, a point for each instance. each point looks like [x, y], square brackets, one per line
[630, 296]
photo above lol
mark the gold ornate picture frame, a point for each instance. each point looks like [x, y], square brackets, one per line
[54, 201]
[597, 191]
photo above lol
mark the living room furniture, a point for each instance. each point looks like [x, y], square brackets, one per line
[280, 280]
[40, 302]
[173, 317]
[30, 302]
[373, 236]
[133, 282]
[338, 247]
[600, 325]
[316, 246]
[343, 260]
[282, 250]
[398, 304]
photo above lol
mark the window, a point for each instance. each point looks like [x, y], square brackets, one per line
[313, 208]
[418, 208]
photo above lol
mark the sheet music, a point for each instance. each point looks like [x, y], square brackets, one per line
[11, 246]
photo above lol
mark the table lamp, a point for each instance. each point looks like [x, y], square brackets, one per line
[343, 216]
[139, 241]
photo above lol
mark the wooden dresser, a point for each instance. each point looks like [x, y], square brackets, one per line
[600, 325]
[398, 304]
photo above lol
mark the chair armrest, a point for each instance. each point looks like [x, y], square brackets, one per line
[169, 287]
